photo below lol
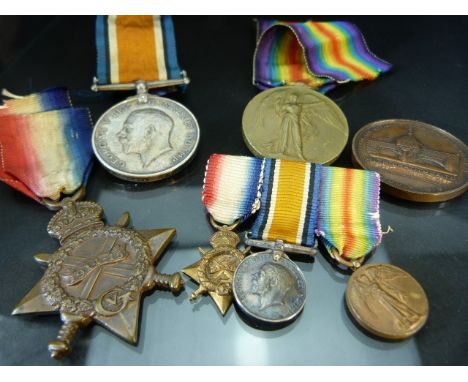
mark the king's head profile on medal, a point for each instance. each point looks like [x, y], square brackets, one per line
[272, 284]
[146, 133]
[146, 137]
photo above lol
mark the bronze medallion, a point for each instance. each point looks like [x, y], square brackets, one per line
[387, 301]
[416, 161]
[215, 271]
[98, 274]
[296, 123]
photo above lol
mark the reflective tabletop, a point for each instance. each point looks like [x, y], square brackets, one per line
[430, 241]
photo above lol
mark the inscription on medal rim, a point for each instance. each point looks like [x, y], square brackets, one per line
[145, 141]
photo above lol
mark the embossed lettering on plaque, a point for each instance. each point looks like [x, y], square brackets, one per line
[416, 161]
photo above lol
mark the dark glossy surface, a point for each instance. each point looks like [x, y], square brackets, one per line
[430, 241]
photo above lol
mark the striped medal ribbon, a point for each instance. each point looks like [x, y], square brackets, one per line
[45, 145]
[297, 202]
[348, 218]
[231, 191]
[135, 48]
[289, 204]
[302, 200]
[231, 195]
[319, 54]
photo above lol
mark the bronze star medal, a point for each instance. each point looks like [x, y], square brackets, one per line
[215, 271]
[98, 274]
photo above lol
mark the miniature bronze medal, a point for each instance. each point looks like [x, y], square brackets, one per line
[99, 273]
[215, 271]
[387, 301]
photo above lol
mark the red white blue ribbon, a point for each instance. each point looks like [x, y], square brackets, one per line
[231, 187]
[45, 145]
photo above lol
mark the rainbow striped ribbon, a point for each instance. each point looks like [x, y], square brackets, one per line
[45, 153]
[132, 48]
[319, 54]
[289, 204]
[231, 187]
[348, 215]
[298, 201]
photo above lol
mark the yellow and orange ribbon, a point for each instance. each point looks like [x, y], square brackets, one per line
[133, 48]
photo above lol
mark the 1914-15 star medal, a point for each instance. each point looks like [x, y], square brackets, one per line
[98, 274]
[215, 271]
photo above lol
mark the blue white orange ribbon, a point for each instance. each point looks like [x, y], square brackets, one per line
[319, 54]
[132, 48]
[45, 153]
[298, 201]
[289, 204]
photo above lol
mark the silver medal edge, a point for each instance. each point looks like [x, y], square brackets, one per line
[152, 176]
[263, 319]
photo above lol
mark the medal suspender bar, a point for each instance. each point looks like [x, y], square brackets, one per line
[146, 137]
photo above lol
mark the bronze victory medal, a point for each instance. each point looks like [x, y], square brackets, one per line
[387, 301]
[99, 273]
[296, 123]
[416, 161]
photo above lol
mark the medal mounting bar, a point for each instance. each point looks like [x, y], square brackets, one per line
[353, 264]
[55, 205]
[134, 85]
[280, 246]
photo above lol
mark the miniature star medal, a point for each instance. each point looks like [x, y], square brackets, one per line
[384, 299]
[215, 270]
[98, 274]
[231, 195]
